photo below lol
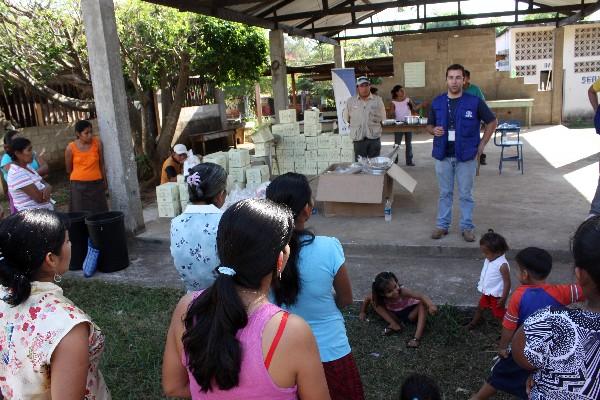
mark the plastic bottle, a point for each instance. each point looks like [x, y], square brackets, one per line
[387, 211]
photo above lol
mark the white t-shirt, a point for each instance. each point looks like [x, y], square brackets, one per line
[490, 281]
[19, 178]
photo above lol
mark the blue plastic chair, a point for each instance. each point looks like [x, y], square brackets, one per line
[504, 138]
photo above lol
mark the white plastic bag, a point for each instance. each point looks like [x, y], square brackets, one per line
[190, 162]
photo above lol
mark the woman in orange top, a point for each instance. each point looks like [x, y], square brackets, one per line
[85, 166]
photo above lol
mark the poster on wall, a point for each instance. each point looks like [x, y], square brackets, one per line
[344, 87]
[414, 74]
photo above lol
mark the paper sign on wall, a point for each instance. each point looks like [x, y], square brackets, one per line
[414, 74]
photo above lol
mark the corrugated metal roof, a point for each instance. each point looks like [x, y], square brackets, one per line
[312, 18]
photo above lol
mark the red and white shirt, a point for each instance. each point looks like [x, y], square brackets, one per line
[18, 178]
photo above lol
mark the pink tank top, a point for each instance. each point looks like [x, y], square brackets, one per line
[401, 109]
[400, 303]
[255, 381]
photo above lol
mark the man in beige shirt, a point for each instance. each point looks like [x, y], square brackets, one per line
[364, 114]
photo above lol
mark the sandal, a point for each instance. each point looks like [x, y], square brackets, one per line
[413, 343]
[391, 331]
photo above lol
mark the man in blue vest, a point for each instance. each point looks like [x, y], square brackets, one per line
[454, 121]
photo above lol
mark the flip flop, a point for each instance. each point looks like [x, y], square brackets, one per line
[389, 331]
[413, 343]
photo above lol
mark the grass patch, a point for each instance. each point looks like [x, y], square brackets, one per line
[135, 321]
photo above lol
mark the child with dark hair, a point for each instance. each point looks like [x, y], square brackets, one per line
[398, 305]
[532, 295]
[419, 387]
[494, 281]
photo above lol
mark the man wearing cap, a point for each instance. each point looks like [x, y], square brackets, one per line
[173, 165]
[364, 114]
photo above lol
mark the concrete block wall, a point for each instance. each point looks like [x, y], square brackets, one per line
[476, 50]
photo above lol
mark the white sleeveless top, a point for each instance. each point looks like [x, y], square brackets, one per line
[490, 281]
[401, 109]
[30, 332]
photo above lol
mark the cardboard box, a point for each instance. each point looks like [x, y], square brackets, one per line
[289, 129]
[169, 210]
[336, 141]
[238, 174]
[238, 158]
[311, 116]
[300, 143]
[323, 155]
[346, 142]
[288, 154]
[262, 135]
[287, 166]
[359, 194]
[220, 158]
[322, 166]
[312, 129]
[310, 168]
[257, 174]
[347, 155]
[311, 155]
[299, 153]
[312, 143]
[300, 166]
[324, 141]
[167, 193]
[262, 149]
[287, 116]
[184, 194]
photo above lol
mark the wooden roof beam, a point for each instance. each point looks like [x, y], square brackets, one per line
[581, 14]
[234, 16]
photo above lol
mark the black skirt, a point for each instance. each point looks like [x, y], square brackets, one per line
[88, 196]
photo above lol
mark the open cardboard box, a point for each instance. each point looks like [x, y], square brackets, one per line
[359, 195]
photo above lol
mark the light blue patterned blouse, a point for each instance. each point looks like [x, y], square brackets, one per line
[194, 245]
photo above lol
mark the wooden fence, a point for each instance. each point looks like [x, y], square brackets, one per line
[29, 110]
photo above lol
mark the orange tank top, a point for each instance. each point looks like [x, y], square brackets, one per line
[86, 164]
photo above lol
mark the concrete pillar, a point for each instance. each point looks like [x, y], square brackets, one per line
[111, 108]
[557, 76]
[338, 56]
[278, 71]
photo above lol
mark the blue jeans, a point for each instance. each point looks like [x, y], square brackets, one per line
[447, 171]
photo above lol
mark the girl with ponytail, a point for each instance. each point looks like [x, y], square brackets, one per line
[229, 341]
[49, 348]
[316, 266]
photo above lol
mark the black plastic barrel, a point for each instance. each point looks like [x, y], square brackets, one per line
[107, 233]
[78, 235]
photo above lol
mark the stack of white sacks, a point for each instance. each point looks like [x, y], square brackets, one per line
[240, 173]
[312, 152]
[167, 198]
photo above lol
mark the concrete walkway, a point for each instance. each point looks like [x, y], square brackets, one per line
[542, 208]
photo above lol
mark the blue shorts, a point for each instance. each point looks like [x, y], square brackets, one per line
[507, 376]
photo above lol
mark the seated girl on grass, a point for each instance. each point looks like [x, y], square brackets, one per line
[398, 305]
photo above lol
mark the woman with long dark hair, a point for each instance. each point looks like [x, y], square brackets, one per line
[315, 267]
[229, 341]
[560, 345]
[194, 232]
[49, 348]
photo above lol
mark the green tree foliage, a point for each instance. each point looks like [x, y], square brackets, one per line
[44, 43]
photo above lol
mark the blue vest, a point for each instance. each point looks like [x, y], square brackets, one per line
[466, 126]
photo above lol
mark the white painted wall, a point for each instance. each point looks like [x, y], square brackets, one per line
[576, 104]
[541, 64]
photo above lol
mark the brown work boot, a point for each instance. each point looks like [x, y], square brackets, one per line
[468, 235]
[439, 233]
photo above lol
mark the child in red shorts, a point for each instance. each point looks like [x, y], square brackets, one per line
[494, 282]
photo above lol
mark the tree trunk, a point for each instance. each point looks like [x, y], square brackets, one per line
[136, 128]
[169, 125]
[166, 99]
[150, 129]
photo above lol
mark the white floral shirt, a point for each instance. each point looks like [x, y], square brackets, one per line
[30, 332]
[194, 245]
